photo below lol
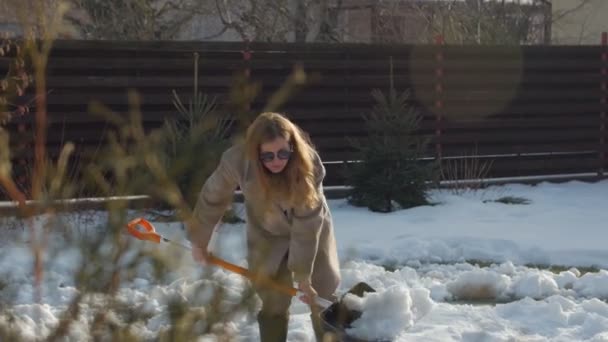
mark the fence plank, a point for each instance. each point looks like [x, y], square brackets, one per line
[498, 81]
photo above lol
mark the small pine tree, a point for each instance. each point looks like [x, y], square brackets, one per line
[192, 147]
[390, 173]
[193, 142]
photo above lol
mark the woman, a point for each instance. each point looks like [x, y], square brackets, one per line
[289, 226]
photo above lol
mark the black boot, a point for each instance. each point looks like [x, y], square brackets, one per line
[273, 328]
[317, 326]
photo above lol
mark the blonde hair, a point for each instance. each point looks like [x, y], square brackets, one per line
[296, 183]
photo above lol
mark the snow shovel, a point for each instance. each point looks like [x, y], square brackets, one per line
[149, 234]
[335, 317]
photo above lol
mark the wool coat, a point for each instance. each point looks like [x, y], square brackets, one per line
[305, 236]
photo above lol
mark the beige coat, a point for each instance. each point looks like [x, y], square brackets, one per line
[307, 238]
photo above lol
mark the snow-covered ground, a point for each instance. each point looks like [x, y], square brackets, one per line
[416, 259]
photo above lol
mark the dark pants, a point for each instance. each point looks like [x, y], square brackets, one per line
[273, 318]
[274, 302]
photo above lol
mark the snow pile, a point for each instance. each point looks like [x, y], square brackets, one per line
[566, 279]
[387, 314]
[536, 285]
[479, 285]
[500, 283]
[593, 285]
[558, 317]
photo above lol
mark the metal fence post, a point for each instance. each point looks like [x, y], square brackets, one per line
[603, 102]
[439, 73]
[247, 54]
[247, 58]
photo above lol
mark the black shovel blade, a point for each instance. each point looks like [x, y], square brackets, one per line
[338, 317]
[345, 316]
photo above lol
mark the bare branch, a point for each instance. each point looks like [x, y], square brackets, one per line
[134, 19]
[228, 22]
[477, 22]
[574, 9]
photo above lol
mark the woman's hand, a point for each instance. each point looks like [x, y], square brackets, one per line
[310, 294]
[200, 254]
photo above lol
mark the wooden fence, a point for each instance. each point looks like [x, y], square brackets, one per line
[531, 110]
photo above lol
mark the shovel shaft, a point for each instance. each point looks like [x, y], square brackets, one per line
[150, 234]
[322, 302]
[264, 281]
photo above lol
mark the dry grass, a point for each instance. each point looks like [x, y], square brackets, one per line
[465, 173]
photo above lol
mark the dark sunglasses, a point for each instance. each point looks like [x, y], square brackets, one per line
[282, 154]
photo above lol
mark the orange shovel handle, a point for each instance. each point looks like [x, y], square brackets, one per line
[148, 235]
[265, 281]
[151, 235]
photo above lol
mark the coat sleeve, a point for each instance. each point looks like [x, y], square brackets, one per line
[305, 232]
[214, 199]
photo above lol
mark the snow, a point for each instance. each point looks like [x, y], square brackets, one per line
[560, 226]
[458, 270]
[388, 313]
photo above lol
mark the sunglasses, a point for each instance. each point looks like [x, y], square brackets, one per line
[282, 154]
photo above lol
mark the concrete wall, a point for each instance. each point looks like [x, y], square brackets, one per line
[572, 26]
